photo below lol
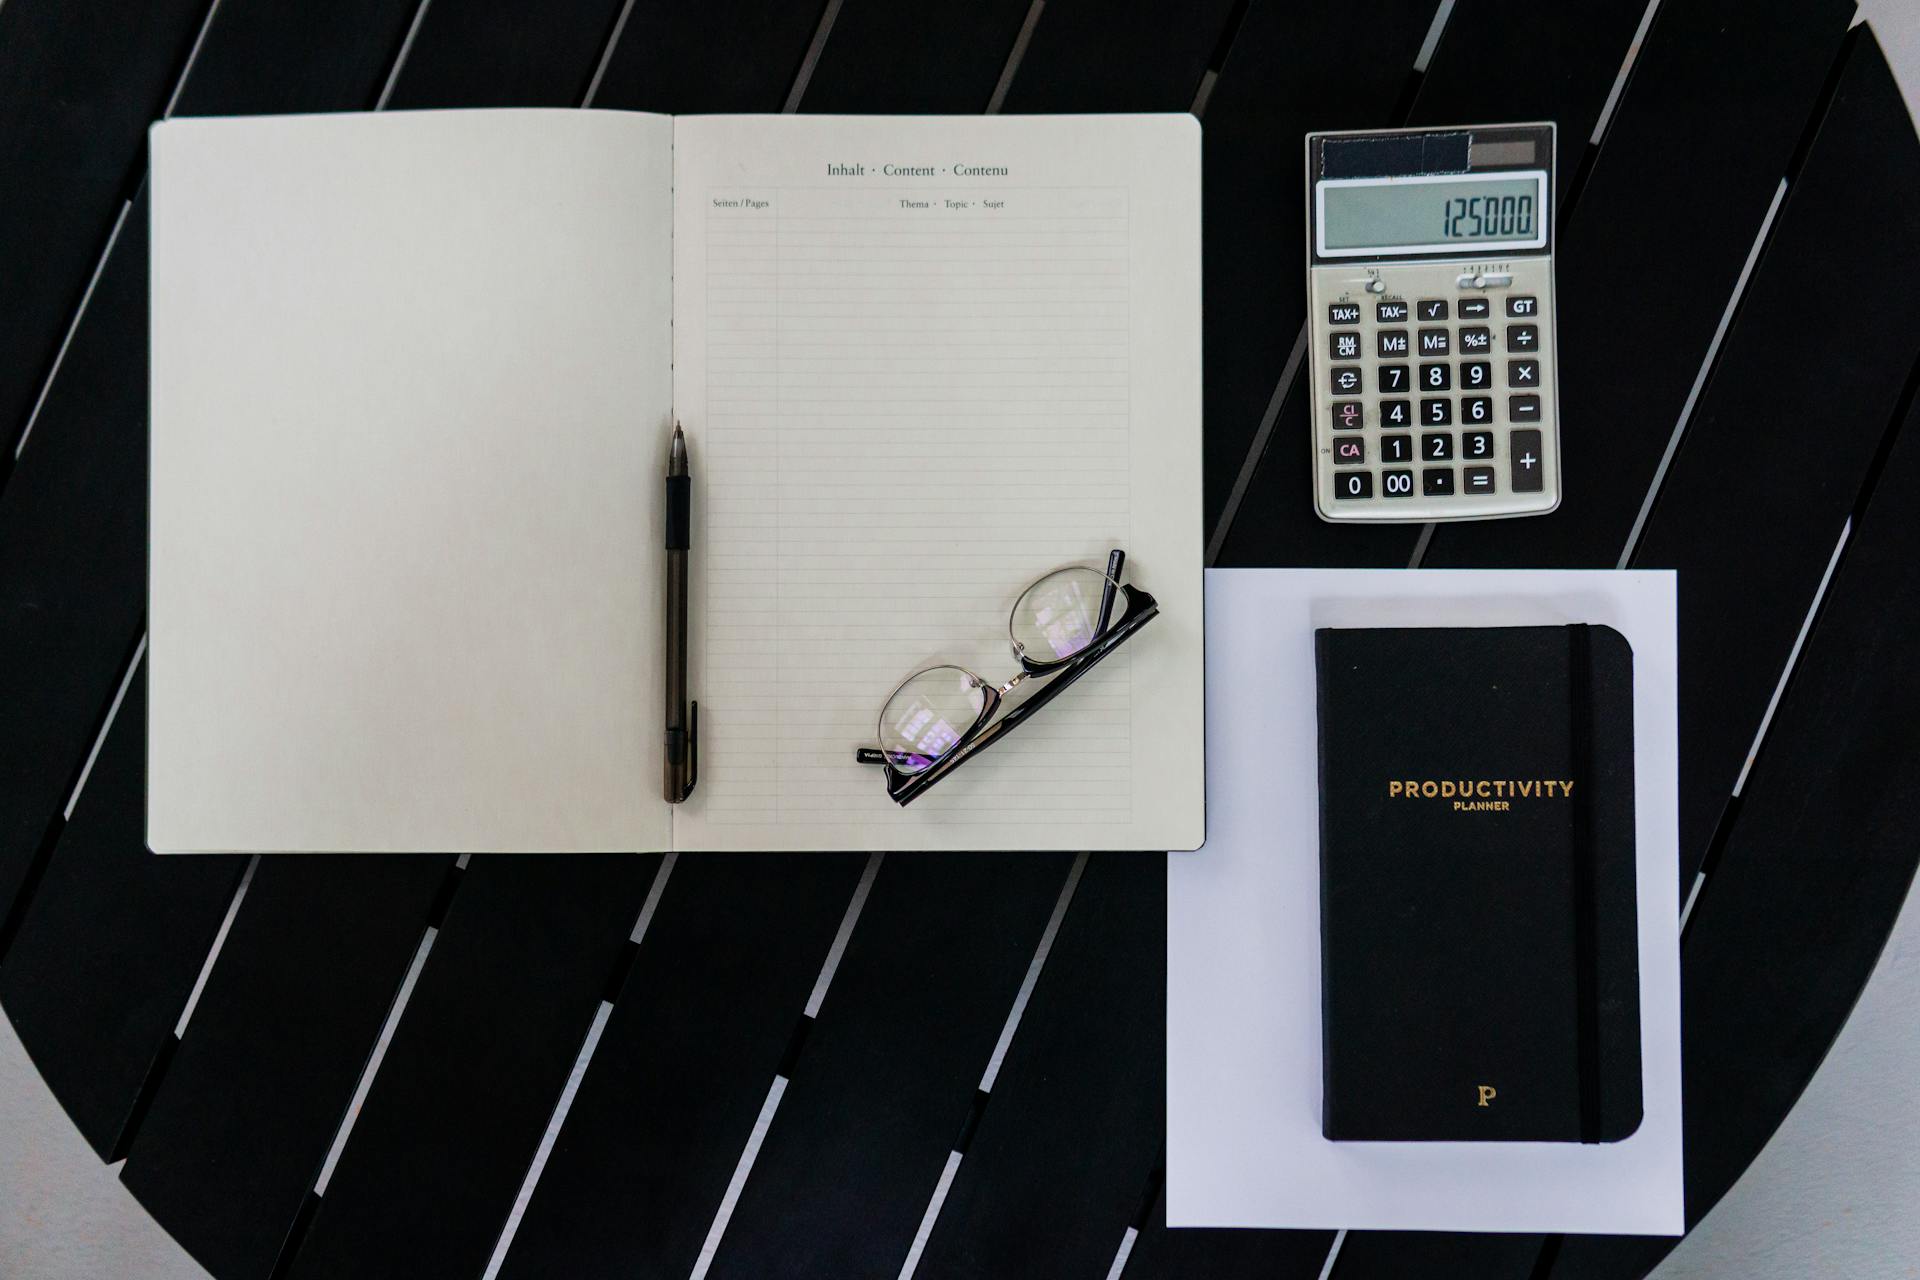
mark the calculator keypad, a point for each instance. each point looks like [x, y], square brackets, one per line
[1438, 397]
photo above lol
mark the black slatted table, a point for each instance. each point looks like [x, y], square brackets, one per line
[835, 1065]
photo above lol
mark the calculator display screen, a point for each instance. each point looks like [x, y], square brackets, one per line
[1429, 213]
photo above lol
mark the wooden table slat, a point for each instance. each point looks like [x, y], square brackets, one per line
[1061, 1159]
[261, 57]
[107, 954]
[261, 1081]
[1420, 1255]
[487, 53]
[1547, 69]
[720, 56]
[879, 1095]
[1717, 103]
[78, 84]
[1117, 55]
[683, 1065]
[932, 56]
[73, 567]
[1292, 69]
[1773, 459]
[480, 1054]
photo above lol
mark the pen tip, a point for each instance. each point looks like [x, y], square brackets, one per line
[679, 443]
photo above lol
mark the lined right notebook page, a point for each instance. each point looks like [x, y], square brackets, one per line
[923, 363]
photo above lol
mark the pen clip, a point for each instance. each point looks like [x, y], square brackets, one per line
[683, 757]
[693, 748]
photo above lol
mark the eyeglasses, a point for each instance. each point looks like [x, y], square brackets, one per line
[1060, 628]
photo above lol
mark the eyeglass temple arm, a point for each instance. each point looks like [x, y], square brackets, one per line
[1116, 561]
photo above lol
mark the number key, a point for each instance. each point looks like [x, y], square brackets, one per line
[1353, 484]
[1476, 444]
[1396, 448]
[1396, 413]
[1475, 374]
[1436, 377]
[1397, 484]
[1436, 447]
[1346, 381]
[1476, 409]
[1436, 413]
[1394, 377]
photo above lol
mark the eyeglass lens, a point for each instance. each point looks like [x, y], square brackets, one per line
[1059, 615]
[927, 715]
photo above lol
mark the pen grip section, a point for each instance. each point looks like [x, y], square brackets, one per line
[679, 511]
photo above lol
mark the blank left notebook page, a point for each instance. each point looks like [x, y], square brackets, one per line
[411, 384]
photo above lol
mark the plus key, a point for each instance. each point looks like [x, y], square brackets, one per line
[1528, 472]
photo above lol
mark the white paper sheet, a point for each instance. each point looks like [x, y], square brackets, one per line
[411, 388]
[1244, 1147]
[914, 393]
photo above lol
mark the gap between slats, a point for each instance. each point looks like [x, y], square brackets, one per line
[1131, 1236]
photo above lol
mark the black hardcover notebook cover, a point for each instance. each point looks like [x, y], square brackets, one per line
[1479, 947]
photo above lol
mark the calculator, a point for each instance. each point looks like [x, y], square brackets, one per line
[1430, 305]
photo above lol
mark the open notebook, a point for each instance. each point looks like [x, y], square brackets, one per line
[413, 379]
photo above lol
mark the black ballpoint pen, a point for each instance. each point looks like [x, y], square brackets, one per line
[681, 760]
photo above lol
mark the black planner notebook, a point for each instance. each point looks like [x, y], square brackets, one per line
[1478, 927]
